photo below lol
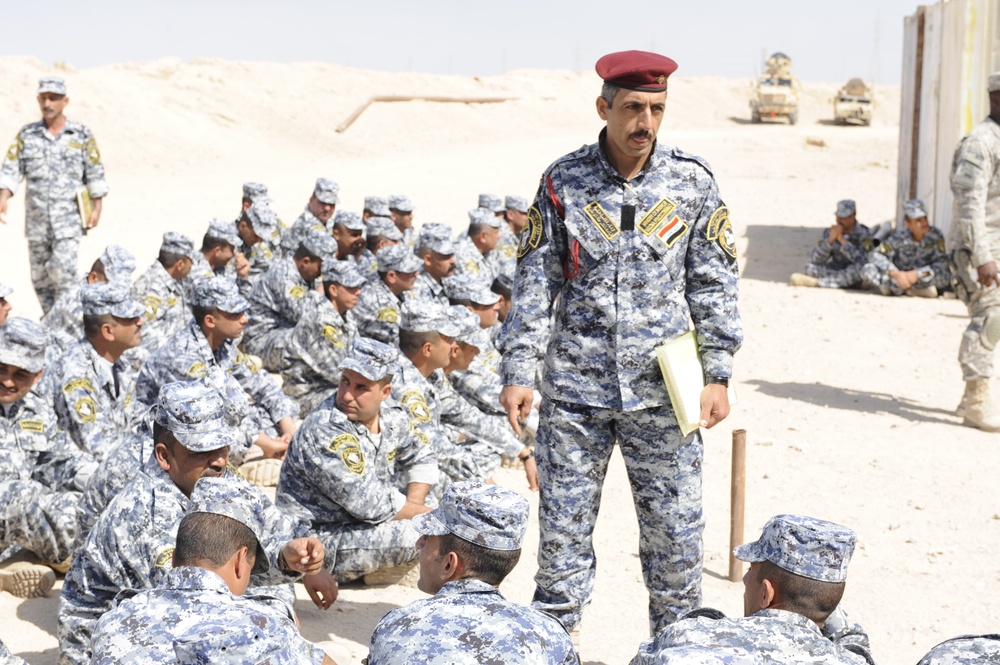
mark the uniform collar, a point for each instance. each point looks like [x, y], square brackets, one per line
[794, 618]
[652, 163]
[194, 579]
[457, 587]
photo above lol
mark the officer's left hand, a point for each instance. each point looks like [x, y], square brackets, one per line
[95, 216]
[322, 588]
[714, 405]
[303, 555]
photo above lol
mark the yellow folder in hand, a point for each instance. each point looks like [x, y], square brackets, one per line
[680, 365]
[84, 205]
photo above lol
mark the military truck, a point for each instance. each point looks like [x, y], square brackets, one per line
[853, 104]
[776, 93]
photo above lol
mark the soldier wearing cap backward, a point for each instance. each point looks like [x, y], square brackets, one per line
[792, 592]
[132, 542]
[317, 215]
[209, 340]
[56, 157]
[435, 248]
[377, 311]
[912, 261]
[91, 384]
[837, 259]
[974, 240]
[220, 543]
[163, 290]
[322, 337]
[42, 472]
[277, 298]
[356, 472]
[634, 240]
[468, 545]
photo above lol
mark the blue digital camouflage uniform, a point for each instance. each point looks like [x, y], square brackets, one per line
[901, 252]
[347, 484]
[630, 263]
[469, 260]
[113, 474]
[504, 255]
[480, 384]
[367, 265]
[144, 628]
[427, 288]
[436, 238]
[267, 250]
[53, 168]
[165, 300]
[7, 658]
[965, 650]
[377, 311]
[130, 547]
[292, 236]
[838, 265]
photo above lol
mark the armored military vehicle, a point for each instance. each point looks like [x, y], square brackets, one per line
[776, 93]
[853, 104]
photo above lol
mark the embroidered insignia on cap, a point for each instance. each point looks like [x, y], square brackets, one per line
[661, 79]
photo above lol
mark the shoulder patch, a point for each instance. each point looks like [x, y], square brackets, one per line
[36, 426]
[78, 384]
[721, 231]
[391, 455]
[197, 369]
[14, 151]
[93, 154]
[416, 405]
[298, 292]
[152, 304]
[353, 459]
[333, 335]
[164, 558]
[387, 314]
[533, 235]
[86, 409]
[342, 440]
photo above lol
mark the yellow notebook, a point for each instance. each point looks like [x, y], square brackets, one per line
[684, 378]
[84, 205]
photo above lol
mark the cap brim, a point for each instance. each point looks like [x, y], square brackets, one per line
[203, 442]
[428, 524]
[326, 199]
[240, 305]
[486, 298]
[363, 370]
[128, 310]
[749, 552]
[11, 357]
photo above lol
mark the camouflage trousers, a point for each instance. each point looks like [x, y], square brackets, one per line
[354, 551]
[879, 277]
[53, 268]
[38, 519]
[976, 352]
[575, 443]
[835, 278]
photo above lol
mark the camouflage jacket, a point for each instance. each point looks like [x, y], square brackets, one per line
[975, 183]
[426, 287]
[632, 261]
[53, 168]
[901, 252]
[277, 298]
[852, 252]
[377, 313]
[965, 650]
[468, 259]
[293, 235]
[480, 384]
[166, 305]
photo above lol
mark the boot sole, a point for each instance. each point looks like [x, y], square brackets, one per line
[28, 582]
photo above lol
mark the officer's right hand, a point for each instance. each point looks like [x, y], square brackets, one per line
[517, 401]
[836, 233]
[988, 274]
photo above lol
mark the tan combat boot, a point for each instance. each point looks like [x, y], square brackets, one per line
[801, 279]
[922, 291]
[405, 575]
[980, 409]
[26, 579]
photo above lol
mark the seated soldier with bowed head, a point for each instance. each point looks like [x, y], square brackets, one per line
[468, 545]
[791, 598]
[218, 546]
[837, 260]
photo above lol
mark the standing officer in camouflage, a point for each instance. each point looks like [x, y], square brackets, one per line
[837, 260]
[633, 238]
[56, 157]
[974, 239]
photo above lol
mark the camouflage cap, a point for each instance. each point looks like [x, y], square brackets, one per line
[195, 414]
[491, 202]
[222, 640]
[234, 397]
[377, 205]
[220, 292]
[914, 209]
[846, 208]
[397, 257]
[327, 191]
[697, 654]
[383, 227]
[503, 286]
[54, 84]
[965, 650]
[235, 500]
[484, 216]
[491, 516]
[262, 218]
[118, 262]
[226, 231]
[400, 202]
[256, 191]
[993, 82]
[419, 315]
[371, 359]
[319, 243]
[177, 243]
[437, 238]
[114, 298]
[23, 344]
[470, 331]
[518, 203]
[469, 287]
[349, 220]
[804, 546]
[5, 290]
[344, 273]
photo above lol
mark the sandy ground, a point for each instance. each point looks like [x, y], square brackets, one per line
[847, 397]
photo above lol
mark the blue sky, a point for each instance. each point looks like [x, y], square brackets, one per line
[828, 41]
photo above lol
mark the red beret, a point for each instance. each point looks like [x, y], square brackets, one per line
[636, 70]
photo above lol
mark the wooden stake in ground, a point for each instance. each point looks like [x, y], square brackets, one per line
[737, 502]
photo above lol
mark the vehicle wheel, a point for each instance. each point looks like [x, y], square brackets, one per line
[867, 123]
[793, 117]
[754, 116]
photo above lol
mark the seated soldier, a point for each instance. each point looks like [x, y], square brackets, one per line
[276, 300]
[41, 471]
[375, 206]
[349, 232]
[322, 337]
[209, 340]
[965, 650]
[503, 287]
[380, 232]
[260, 238]
[318, 212]
[401, 213]
[218, 256]
[468, 545]
[435, 249]
[912, 261]
[131, 544]
[796, 579]
[837, 260]
[91, 384]
[377, 311]
[218, 546]
[515, 217]
[356, 473]
[480, 383]
[162, 289]
[473, 250]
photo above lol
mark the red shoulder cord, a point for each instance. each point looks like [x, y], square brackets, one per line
[572, 266]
